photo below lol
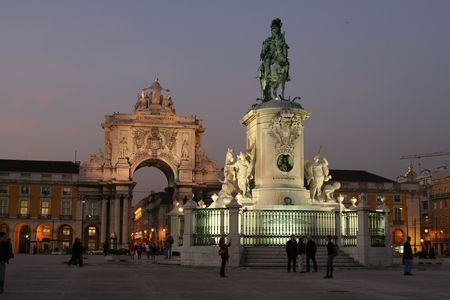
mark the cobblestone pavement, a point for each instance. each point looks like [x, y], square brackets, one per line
[47, 277]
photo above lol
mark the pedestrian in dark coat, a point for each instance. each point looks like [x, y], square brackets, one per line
[77, 254]
[291, 251]
[223, 252]
[311, 250]
[5, 255]
[407, 257]
[331, 253]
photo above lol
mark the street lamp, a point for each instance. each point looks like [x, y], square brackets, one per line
[82, 219]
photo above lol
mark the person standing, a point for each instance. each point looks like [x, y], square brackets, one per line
[301, 250]
[407, 256]
[223, 252]
[138, 249]
[311, 250]
[77, 254]
[5, 255]
[168, 245]
[291, 251]
[331, 253]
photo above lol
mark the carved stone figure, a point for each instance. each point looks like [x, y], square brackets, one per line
[185, 150]
[242, 166]
[139, 137]
[108, 149]
[316, 173]
[329, 189]
[274, 69]
[123, 148]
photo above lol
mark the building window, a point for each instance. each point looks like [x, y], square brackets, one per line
[45, 207]
[67, 177]
[425, 205]
[397, 214]
[66, 203]
[24, 190]
[92, 208]
[3, 206]
[66, 191]
[380, 199]
[435, 205]
[24, 207]
[46, 176]
[45, 191]
[397, 199]
[424, 194]
[4, 189]
[25, 175]
[46, 231]
[66, 231]
[92, 231]
[445, 203]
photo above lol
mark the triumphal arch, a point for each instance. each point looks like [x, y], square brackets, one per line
[152, 136]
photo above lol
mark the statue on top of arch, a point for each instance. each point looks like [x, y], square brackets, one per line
[151, 99]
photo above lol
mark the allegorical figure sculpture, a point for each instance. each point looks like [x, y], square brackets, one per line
[316, 173]
[274, 69]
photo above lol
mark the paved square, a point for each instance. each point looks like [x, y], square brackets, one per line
[46, 277]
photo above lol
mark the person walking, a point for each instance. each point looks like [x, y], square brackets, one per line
[291, 251]
[147, 250]
[301, 251]
[311, 250]
[331, 253]
[407, 257]
[223, 252]
[77, 254]
[132, 248]
[139, 251]
[5, 255]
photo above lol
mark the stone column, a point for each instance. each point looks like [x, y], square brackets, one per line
[187, 234]
[125, 220]
[103, 229]
[117, 219]
[32, 238]
[363, 238]
[233, 236]
[387, 227]
[80, 219]
[175, 227]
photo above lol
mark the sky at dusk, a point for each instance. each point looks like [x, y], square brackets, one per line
[375, 75]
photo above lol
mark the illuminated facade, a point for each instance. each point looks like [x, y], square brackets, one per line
[402, 199]
[38, 204]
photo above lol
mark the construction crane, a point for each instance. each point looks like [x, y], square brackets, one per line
[419, 156]
[422, 155]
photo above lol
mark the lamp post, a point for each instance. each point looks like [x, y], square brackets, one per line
[82, 220]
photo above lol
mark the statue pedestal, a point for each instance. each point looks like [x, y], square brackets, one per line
[275, 128]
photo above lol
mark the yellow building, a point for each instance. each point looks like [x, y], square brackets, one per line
[38, 204]
[402, 200]
[438, 233]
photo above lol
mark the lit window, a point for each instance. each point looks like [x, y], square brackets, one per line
[66, 230]
[67, 191]
[45, 191]
[3, 189]
[24, 190]
[46, 231]
[45, 207]
[91, 231]
[23, 207]
[65, 244]
[397, 199]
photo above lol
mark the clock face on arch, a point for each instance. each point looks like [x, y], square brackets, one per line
[285, 162]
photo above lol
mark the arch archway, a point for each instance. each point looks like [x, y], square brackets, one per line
[152, 135]
[23, 238]
[397, 237]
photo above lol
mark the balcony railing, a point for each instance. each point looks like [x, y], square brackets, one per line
[65, 217]
[398, 222]
[440, 196]
[4, 215]
[23, 216]
[45, 217]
